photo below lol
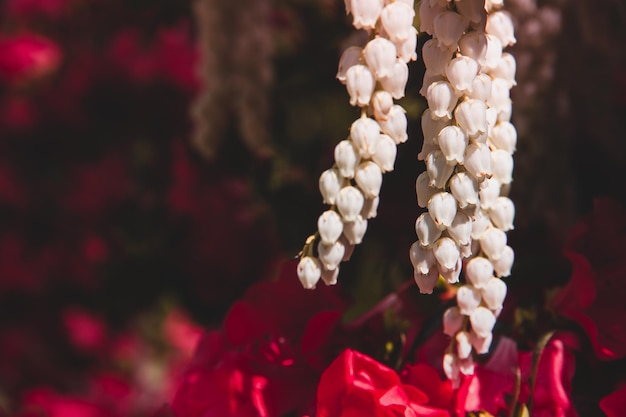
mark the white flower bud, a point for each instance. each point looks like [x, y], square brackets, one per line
[461, 71]
[492, 119]
[369, 178]
[365, 12]
[428, 12]
[407, 49]
[463, 345]
[423, 190]
[442, 208]
[479, 271]
[502, 212]
[380, 55]
[480, 224]
[481, 344]
[330, 255]
[397, 20]
[442, 99]
[349, 203]
[431, 127]
[435, 57]
[355, 230]
[474, 45]
[489, 191]
[427, 148]
[426, 282]
[438, 169]
[452, 321]
[349, 248]
[421, 258]
[360, 84]
[330, 226]
[451, 369]
[452, 142]
[464, 189]
[504, 137]
[365, 133]
[471, 115]
[493, 242]
[502, 166]
[505, 69]
[329, 276]
[395, 124]
[309, 272]
[472, 10]
[446, 253]
[385, 153]
[503, 264]
[500, 95]
[461, 229]
[478, 160]
[330, 183]
[505, 111]
[448, 28]
[481, 89]
[426, 230]
[350, 57]
[395, 82]
[347, 158]
[468, 299]
[494, 53]
[430, 78]
[482, 321]
[467, 250]
[451, 275]
[500, 25]
[370, 208]
[381, 104]
[494, 293]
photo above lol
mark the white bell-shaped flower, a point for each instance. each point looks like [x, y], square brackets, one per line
[471, 115]
[397, 20]
[349, 203]
[500, 97]
[426, 282]
[451, 275]
[448, 28]
[451, 369]
[428, 13]
[481, 344]
[330, 255]
[502, 213]
[329, 276]
[479, 271]
[492, 242]
[452, 321]
[430, 78]
[446, 253]
[370, 208]
[489, 191]
[503, 264]
[395, 82]
[347, 158]
[435, 57]
[365, 133]
[427, 148]
[505, 111]
[309, 271]
[477, 160]
[464, 188]
[493, 294]
[474, 45]
[380, 55]
[423, 190]
[504, 137]
[460, 72]
[360, 84]
[472, 10]
[426, 230]
[482, 321]
[480, 224]
[505, 69]
[500, 24]
[330, 183]
[369, 178]
[468, 299]
[442, 99]
[463, 345]
[329, 226]
[349, 248]
[481, 89]
[350, 57]
[421, 258]
[497, 4]
[442, 208]
[395, 124]
[385, 153]
[381, 104]
[492, 120]
[365, 12]
[502, 166]
[452, 142]
[438, 169]
[431, 127]
[461, 229]
[494, 53]
[406, 49]
[355, 230]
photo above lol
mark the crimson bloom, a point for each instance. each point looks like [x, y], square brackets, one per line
[28, 57]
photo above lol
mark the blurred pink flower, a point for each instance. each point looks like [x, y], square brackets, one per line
[28, 57]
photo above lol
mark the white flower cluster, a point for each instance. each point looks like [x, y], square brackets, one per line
[468, 147]
[374, 76]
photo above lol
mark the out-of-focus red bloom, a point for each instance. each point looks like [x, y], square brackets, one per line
[614, 404]
[357, 385]
[27, 57]
[87, 332]
[52, 9]
[594, 295]
[181, 332]
[47, 403]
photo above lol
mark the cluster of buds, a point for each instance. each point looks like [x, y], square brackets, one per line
[374, 76]
[468, 147]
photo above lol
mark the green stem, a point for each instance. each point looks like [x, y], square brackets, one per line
[537, 351]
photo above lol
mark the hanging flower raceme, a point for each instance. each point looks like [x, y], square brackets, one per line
[374, 76]
[468, 147]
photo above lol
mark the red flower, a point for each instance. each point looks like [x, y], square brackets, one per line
[28, 57]
[594, 295]
[614, 404]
